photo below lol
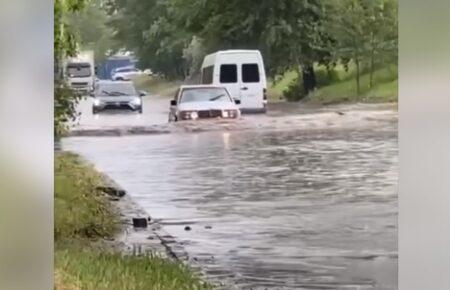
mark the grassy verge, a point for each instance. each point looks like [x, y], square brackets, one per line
[342, 86]
[385, 89]
[83, 218]
[275, 88]
[157, 86]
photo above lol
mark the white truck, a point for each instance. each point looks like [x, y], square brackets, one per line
[80, 72]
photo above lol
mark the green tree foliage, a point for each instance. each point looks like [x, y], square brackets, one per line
[172, 36]
[366, 31]
[65, 45]
[147, 27]
[92, 29]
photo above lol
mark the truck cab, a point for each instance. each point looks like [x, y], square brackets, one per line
[80, 72]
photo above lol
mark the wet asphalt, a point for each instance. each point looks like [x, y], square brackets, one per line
[276, 206]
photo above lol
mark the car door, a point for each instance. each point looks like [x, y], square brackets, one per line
[250, 85]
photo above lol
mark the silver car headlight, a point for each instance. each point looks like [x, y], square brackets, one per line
[194, 115]
[136, 101]
[97, 102]
[230, 114]
[188, 115]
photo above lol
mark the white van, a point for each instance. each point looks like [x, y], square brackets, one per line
[242, 73]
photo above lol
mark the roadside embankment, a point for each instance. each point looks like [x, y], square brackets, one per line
[157, 86]
[95, 245]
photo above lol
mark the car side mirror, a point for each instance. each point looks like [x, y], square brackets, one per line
[237, 102]
[173, 102]
[142, 93]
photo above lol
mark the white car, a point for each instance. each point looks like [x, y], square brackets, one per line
[194, 102]
[125, 73]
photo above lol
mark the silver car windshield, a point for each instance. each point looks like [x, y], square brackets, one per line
[204, 95]
[115, 89]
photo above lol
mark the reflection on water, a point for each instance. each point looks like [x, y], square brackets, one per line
[288, 209]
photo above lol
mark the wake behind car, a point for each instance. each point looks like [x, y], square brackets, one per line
[116, 95]
[195, 102]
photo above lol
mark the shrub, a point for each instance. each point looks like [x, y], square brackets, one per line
[294, 91]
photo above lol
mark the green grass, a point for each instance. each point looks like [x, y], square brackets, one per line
[157, 86]
[80, 210]
[341, 87]
[83, 218]
[91, 269]
[385, 89]
[276, 87]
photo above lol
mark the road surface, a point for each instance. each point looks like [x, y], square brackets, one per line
[300, 202]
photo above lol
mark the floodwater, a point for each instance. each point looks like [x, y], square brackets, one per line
[268, 208]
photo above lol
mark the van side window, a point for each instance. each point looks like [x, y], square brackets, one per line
[207, 75]
[228, 73]
[250, 73]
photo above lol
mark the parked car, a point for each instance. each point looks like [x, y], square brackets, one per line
[116, 95]
[125, 73]
[193, 102]
[242, 73]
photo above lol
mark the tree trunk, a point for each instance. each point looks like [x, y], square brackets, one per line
[358, 89]
[372, 60]
[309, 78]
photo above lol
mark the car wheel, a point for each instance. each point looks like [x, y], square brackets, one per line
[119, 79]
[140, 110]
[94, 111]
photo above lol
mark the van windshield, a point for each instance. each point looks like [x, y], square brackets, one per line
[204, 95]
[78, 70]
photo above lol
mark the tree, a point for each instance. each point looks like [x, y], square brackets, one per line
[365, 30]
[92, 29]
[64, 45]
[382, 26]
[148, 28]
[290, 33]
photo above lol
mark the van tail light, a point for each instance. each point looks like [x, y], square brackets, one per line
[265, 96]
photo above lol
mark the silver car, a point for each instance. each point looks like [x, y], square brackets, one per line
[203, 102]
[109, 95]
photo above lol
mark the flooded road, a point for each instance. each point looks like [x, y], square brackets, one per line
[274, 208]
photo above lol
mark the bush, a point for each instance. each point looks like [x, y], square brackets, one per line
[65, 102]
[294, 91]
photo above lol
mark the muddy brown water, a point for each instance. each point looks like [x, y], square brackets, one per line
[268, 209]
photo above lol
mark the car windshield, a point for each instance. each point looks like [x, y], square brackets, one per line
[204, 95]
[115, 89]
[79, 70]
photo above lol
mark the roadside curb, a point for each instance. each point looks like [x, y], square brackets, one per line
[153, 239]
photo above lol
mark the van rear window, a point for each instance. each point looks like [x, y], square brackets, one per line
[207, 75]
[228, 73]
[250, 73]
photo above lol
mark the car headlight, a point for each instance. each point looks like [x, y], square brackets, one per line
[229, 114]
[97, 102]
[136, 101]
[188, 115]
